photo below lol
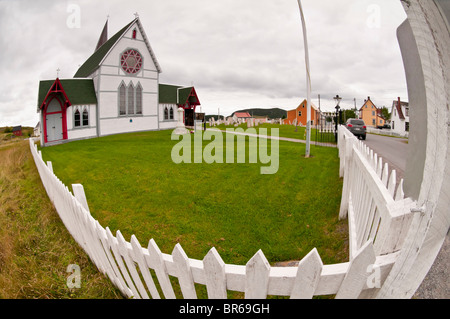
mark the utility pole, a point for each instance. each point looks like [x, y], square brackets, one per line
[308, 85]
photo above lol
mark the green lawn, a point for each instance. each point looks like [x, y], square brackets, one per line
[132, 184]
[288, 131]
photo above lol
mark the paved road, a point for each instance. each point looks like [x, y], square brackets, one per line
[393, 150]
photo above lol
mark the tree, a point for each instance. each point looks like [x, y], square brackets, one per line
[349, 114]
[385, 113]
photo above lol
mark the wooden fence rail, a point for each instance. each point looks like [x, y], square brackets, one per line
[144, 272]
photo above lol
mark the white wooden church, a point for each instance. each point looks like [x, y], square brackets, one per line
[115, 91]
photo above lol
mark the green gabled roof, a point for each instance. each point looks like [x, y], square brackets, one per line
[172, 94]
[168, 93]
[79, 91]
[94, 61]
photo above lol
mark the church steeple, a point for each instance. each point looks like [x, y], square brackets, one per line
[103, 37]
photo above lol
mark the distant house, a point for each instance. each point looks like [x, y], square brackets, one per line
[17, 130]
[370, 114]
[400, 116]
[300, 113]
[241, 117]
[261, 119]
[37, 130]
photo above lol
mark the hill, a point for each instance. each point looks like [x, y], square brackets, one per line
[274, 113]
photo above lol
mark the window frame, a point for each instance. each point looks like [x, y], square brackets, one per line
[132, 97]
[81, 111]
[77, 111]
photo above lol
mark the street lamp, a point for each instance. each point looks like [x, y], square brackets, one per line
[338, 100]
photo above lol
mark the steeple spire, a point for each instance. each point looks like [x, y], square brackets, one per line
[104, 36]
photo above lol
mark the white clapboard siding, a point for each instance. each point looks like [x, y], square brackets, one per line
[377, 224]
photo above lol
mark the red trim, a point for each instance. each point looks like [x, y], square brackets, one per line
[187, 104]
[56, 88]
[56, 91]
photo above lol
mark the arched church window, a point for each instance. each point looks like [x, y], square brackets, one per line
[85, 117]
[139, 99]
[122, 100]
[130, 99]
[166, 113]
[134, 33]
[77, 118]
[171, 113]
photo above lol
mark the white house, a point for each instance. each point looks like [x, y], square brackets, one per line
[400, 117]
[115, 91]
[37, 130]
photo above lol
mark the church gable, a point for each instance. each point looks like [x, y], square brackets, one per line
[132, 36]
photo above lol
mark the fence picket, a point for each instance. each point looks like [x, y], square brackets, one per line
[214, 268]
[392, 183]
[155, 261]
[118, 258]
[356, 277]
[308, 276]
[124, 251]
[385, 175]
[111, 265]
[184, 272]
[380, 167]
[399, 195]
[257, 273]
[140, 259]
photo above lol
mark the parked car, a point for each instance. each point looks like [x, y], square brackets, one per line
[357, 127]
[385, 126]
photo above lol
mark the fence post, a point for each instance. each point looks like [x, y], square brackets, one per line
[78, 192]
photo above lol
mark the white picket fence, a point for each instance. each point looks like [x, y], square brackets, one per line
[376, 207]
[387, 132]
[143, 272]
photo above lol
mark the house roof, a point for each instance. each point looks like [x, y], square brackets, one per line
[79, 91]
[399, 108]
[173, 94]
[366, 102]
[301, 104]
[242, 114]
[17, 128]
[95, 60]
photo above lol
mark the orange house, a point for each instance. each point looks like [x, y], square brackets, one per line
[300, 113]
[370, 114]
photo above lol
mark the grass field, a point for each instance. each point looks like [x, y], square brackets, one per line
[35, 247]
[288, 131]
[132, 184]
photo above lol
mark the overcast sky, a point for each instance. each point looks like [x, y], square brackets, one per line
[237, 53]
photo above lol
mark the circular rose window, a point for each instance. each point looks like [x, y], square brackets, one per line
[131, 61]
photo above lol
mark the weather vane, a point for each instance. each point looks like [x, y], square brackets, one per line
[57, 72]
